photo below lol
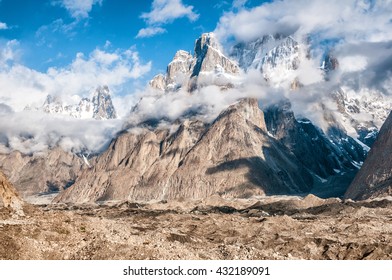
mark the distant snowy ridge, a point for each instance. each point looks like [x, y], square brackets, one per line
[99, 107]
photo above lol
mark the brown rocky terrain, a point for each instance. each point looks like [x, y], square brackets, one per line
[48, 171]
[374, 179]
[9, 198]
[214, 228]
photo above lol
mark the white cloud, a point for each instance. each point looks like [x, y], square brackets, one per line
[45, 33]
[21, 86]
[3, 26]
[355, 20]
[8, 53]
[150, 31]
[78, 9]
[238, 4]
[31, 132]
[352, 63]
[165, 11]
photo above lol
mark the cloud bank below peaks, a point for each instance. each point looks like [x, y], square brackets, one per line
[21, 87]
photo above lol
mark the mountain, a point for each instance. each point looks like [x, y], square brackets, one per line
[360, 113]
[374, 179]
[244, 151]
[99, 107]
[50, 171]
[207, 66]
[234, 157]
[274, 56]
[322, 154]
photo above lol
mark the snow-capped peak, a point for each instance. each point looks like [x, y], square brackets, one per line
[99, 107]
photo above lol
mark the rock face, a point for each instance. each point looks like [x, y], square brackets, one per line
[324, 155]
[233, 157]
[9, 196]
[374, 179]
[100, 107]
[103, 108]
[45, 172]
[207, 64]
[361, 113]
[275, 56]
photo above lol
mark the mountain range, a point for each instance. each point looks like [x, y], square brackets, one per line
[99, 107]
[248, 149]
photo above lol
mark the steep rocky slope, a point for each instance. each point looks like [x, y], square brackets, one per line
[49, 171]
[320, 153]
[207, 66]
[233, 157]
[9, 197]
[374, 179]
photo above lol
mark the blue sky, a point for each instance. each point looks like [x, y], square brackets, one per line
[50, 33]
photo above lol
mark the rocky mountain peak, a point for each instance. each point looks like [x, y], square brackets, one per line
[246, 109]
[330, 62]
[158, 82]
[205, 41]
[102, 104]
[53, 104]
[100, 107]
[177, 69]
[208, 56]
[185, 70]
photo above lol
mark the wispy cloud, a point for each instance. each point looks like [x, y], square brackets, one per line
[164, 12]
[45, 33]
[150, 32]
[78, 9]
[8, 53]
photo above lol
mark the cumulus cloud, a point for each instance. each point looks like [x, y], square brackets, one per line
[164, 12]
[3, 26]
[150, 32]
[78, 9]
[353, 20]
[21, 86]
[30, 132]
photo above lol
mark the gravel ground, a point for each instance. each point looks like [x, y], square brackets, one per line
[274, 228]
